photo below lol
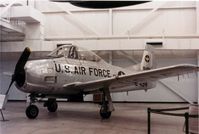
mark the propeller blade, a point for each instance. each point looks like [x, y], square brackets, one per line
[19, 73]
[12, 81]
[22, 60]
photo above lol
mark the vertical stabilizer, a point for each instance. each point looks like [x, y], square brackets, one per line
[147, 62]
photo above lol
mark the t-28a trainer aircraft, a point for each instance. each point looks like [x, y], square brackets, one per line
[70, 72]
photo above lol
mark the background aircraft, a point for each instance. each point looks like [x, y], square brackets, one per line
[70, 72]
[101, 4]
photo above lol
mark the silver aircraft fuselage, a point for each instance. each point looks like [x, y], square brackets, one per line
[47, 76]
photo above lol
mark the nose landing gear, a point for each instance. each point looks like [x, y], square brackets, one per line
[32, 110]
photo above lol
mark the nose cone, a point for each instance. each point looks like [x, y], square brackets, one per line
[28, 65]
[36, 70]
[33, 71]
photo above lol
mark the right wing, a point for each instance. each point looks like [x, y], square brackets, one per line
[152, 75]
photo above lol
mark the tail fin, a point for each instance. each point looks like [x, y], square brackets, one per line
[147, 62]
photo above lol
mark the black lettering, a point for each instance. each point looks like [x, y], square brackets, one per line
[100, 73]
[95, 72]
[83, 70]
[76, 70]
[108, 73]
[80, 71]
[104, 73]
[67, 69]
[136, 84]
[141, 84]
[144, 84]
[57, 68]
[90, 70]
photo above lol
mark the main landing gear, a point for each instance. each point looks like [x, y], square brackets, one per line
[32, 110]
[107, 106]
[106, 109]
[51, 105]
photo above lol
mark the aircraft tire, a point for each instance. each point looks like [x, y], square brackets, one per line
[52, 107]
[32, 111]
[105, 114]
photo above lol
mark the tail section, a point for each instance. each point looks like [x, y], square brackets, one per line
[147, 62]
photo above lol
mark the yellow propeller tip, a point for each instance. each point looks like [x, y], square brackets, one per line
[28, 49]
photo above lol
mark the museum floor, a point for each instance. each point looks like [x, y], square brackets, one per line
[83, 118]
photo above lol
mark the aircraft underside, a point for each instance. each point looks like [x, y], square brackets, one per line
[59, 91]
[76, 95]
[32, 110]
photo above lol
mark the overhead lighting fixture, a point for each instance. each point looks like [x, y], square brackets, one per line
[154, 42]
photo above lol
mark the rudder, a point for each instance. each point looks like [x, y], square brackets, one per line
[147, 62]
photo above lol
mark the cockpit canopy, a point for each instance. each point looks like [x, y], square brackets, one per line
[74, 52]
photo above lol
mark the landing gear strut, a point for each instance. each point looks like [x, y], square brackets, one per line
[107, 106]
[51, 105]
[32, 110]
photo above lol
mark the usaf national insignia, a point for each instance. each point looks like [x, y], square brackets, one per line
[147, 58]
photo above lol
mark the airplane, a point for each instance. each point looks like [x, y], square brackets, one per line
[70, 72]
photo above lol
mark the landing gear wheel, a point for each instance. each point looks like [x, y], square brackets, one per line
[52, 107]
[32, 111]
[104, 113]
[107, 105]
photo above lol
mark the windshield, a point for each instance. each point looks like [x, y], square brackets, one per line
[74, 52]
[59, 52]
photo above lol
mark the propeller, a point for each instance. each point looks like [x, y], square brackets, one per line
[19, 72]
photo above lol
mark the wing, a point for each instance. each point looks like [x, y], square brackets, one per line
[153, 75]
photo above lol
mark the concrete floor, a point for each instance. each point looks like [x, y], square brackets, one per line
[83, 118]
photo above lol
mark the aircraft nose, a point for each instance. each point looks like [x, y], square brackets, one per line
[32, 71]
[28, 65]
[30, 68]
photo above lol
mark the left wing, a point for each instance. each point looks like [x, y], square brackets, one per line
[153, 75]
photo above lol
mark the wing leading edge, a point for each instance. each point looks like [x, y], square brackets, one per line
[153, 75]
